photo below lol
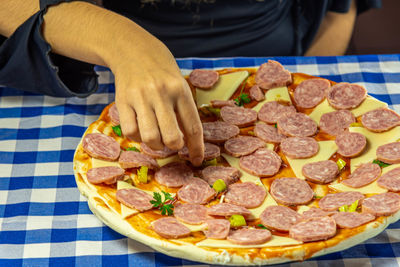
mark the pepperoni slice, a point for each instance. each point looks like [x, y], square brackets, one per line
[314, 229]
[133, 159]
[248, 194]
[384, 204]
[169, 227]
[243, 145]
[352, 219]
[263, 162]
[222, 103]
[256, 93]
[196, 191]
[297, 124]
[228, 209]
[230, 175]
[157, 154]
[174, 174]
[107, 175]
[279, 218]
[101, 146]
[346, 95]
[335, 201]
[247, 236]
[389, 153]
[321, 172]
[268, 133]
[135, 198]
[299, 147]
[272, 74]
[314, 212]
[363, 175]
[191, 213]
[219, 131]
[350, 144]
[270, 112]
[336, 122]
[390, 180]
[310, 93]
[210, 152]
[238, 116]
[204, 79]
[380, 120]
[217, 228]
[114, 115]
[291, 191]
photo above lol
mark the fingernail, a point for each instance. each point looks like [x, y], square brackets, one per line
[197, 161]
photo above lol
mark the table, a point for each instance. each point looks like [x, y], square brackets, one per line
[45, 221]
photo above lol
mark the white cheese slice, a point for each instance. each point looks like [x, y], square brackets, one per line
[374, 140]
[302, 208]
[276, 94]
[275, 241]
[326, 150]
[195, 228]
[223, 90]
[126, 211]
[96, 163]
[170, 159]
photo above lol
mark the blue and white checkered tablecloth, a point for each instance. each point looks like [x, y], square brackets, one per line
[45, 221]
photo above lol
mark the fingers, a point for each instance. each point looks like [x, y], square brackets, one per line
[129, 126]
[171, 135]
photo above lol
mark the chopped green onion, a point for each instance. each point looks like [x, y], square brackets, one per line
[380, 163]
[237, 220]
[353, 206]
[219, 185]
[133, 149]
[341, 164]
[251, 133]
[142, 174]
[318, 197]
[262, 226]
[275, 125]
[242, 99]
[356, 124]
[344, 208]
[215, 111]
[211, 162]
[117, 130]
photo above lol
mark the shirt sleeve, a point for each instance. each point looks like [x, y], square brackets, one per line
[343, 6]
[27, 63]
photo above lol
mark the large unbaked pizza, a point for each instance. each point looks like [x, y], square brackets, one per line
[295, 167]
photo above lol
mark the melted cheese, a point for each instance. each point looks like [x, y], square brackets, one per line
[275, 241]
[223, 90]
[326, 150]
[374, 140]
[276, 94]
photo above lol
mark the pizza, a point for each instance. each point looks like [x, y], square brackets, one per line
[295, 167]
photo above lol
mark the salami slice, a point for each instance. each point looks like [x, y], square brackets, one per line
[174, 174]
[230, 175]
[350, 144]
[248, 194]
[336, 122]
[272, 74]
[268, 133]
[291, 191]
[363, 175]
[222, 103]
[335, 201]
[263, 162]
[114, 115]
[210, 152]
[270, 112]
[133, 159]
[247, 236]
[384, 204]
[321, 172]
[314, 229]
[389, 153]
[135, 199]
[346, 95]
[101, 146]
[107, 175]
[157, 154]
[243, 145]
[256, 93]
[204, 79]
[238, 116]
[196, 191]
[316, 212]
[297, 124]
[217, 228]
[352, 219]
[228, 209]
[190, 213]
[279, 218]
[219, 131]
[299, 147]
[380, 120]
[311, 92]
[390, 180]
[169, 227]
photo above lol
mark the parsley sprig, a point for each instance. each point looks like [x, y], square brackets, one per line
[117, 130]
[380, 163]
[158, 202]
[243, 98]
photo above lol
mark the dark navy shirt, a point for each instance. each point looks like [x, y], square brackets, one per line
[225, 28]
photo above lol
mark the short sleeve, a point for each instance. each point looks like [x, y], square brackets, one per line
[27, 63]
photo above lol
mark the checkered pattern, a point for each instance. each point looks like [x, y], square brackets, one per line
[45, 221]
